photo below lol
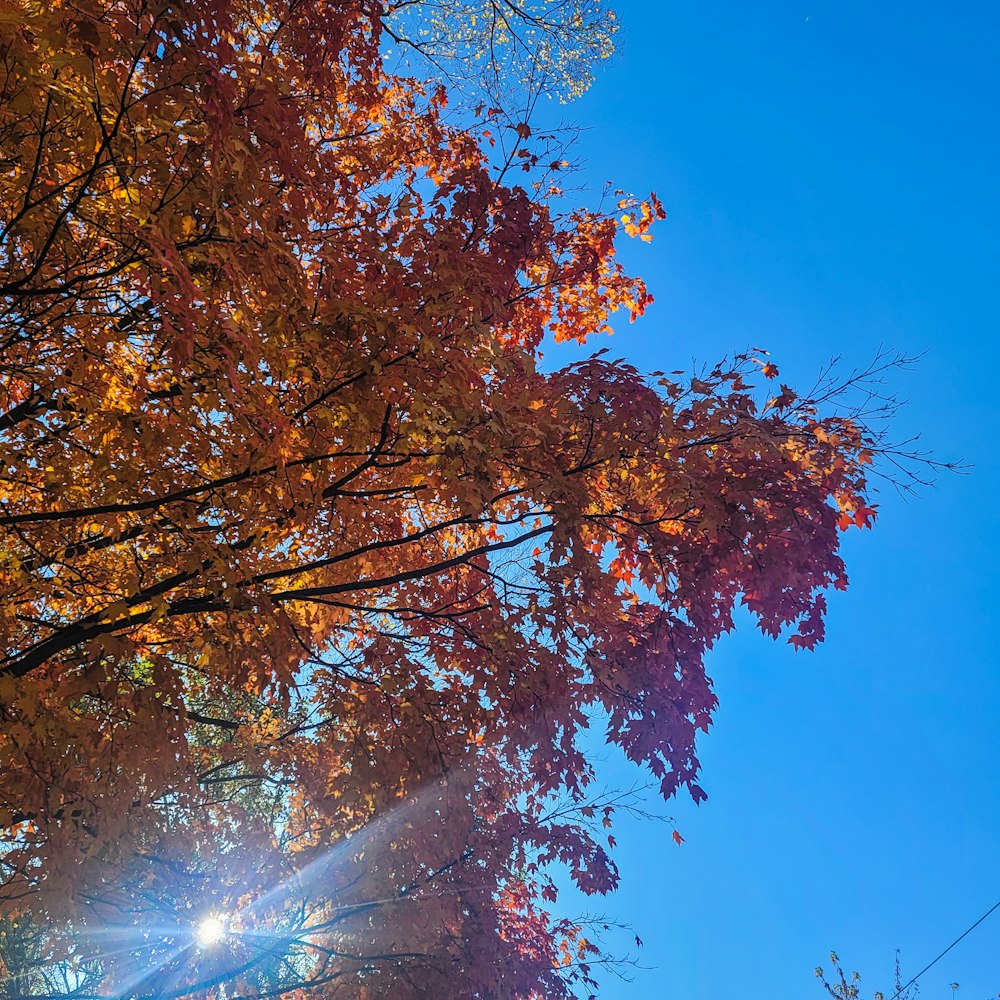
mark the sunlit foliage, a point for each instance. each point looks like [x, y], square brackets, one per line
[549, 47]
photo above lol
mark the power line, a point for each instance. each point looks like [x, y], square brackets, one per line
[995, 906]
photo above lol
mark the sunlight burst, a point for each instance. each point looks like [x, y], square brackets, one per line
[210, 931]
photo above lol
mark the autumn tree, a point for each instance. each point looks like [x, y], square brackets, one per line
[311, 576]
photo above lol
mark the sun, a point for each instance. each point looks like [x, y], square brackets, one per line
[210, 930]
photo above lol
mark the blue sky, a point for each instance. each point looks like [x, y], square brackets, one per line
[829, 170]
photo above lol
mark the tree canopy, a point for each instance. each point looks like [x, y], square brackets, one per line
[311, 575]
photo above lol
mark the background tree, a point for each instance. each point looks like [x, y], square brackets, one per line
[506, 48]
[310, 576]
[29, 966]
[844, 987]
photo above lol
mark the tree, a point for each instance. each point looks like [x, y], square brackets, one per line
[310, 574]
[846, 988]
[505, 47]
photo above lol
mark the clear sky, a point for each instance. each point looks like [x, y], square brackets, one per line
[830, 173]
